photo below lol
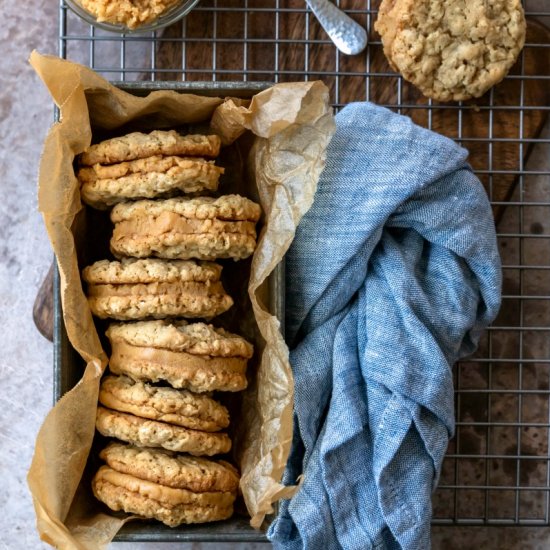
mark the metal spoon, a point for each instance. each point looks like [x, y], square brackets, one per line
[348, 36]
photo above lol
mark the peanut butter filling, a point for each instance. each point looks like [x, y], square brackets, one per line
[193, 289]
[170, 222]
[126, 353]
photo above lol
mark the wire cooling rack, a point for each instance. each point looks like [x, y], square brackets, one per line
[497, 470]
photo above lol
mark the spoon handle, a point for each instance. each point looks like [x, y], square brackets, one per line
[348, 36]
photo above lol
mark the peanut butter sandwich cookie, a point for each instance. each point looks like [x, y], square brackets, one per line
[137, 289]
[452, 49]
[176, 470]
[139, 146]
[172, 506]
[105, 185]
[180, 407]
[151, 433]
[195, 356]
[202, 227]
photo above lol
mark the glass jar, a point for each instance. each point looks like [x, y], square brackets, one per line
[174, 13]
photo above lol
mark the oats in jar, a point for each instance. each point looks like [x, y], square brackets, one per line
[131, 13]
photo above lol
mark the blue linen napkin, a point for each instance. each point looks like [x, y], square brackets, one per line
[392, 277]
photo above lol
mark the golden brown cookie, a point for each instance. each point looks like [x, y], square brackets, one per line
[452, 49]
[203, 227]
[176, 470]
[137, 289]
[150, 433]
[180, 335]
[195, 356]
[103, 186]
[138, 146]
[172, 506]
[180, 407]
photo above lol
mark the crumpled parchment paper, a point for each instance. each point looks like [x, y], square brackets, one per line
[292, 124]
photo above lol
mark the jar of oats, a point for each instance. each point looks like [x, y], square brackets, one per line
[128, 16]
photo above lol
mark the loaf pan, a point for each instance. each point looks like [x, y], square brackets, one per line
[68, 365]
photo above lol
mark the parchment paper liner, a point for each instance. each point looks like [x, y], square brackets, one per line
[293, 124]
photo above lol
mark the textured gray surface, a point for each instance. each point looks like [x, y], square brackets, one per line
[26, 360]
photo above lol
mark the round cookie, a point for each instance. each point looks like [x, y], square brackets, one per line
[180, 335]
[103, 186]
[172, 506]
[138, 289]
[195, 356]
[452, 49]
[150, 433]
[138, 146]
[179, 407]
[176, 470]
[203, 227]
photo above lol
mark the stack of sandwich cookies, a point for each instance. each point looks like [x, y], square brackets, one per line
[138, 165]
[196, 356]
[138, 289]
[155, 399]
[179, 228]
[165, 486]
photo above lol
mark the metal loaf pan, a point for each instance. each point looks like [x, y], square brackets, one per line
[68, 365]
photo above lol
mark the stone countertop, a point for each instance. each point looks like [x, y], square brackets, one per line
[26, 364]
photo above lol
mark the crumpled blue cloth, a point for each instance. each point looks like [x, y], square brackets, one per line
[392, 277]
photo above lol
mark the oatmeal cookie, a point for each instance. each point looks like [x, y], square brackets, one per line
[179, 335]
[138, 146]
[170, 505]
[171, 469]
[129, 270]
[151, 433]
[179, 407]
[102, 186]
[137, 289]
[452, 49]
[202, 227]
[197, 356]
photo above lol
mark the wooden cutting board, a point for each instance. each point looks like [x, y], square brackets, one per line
[505, 124]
